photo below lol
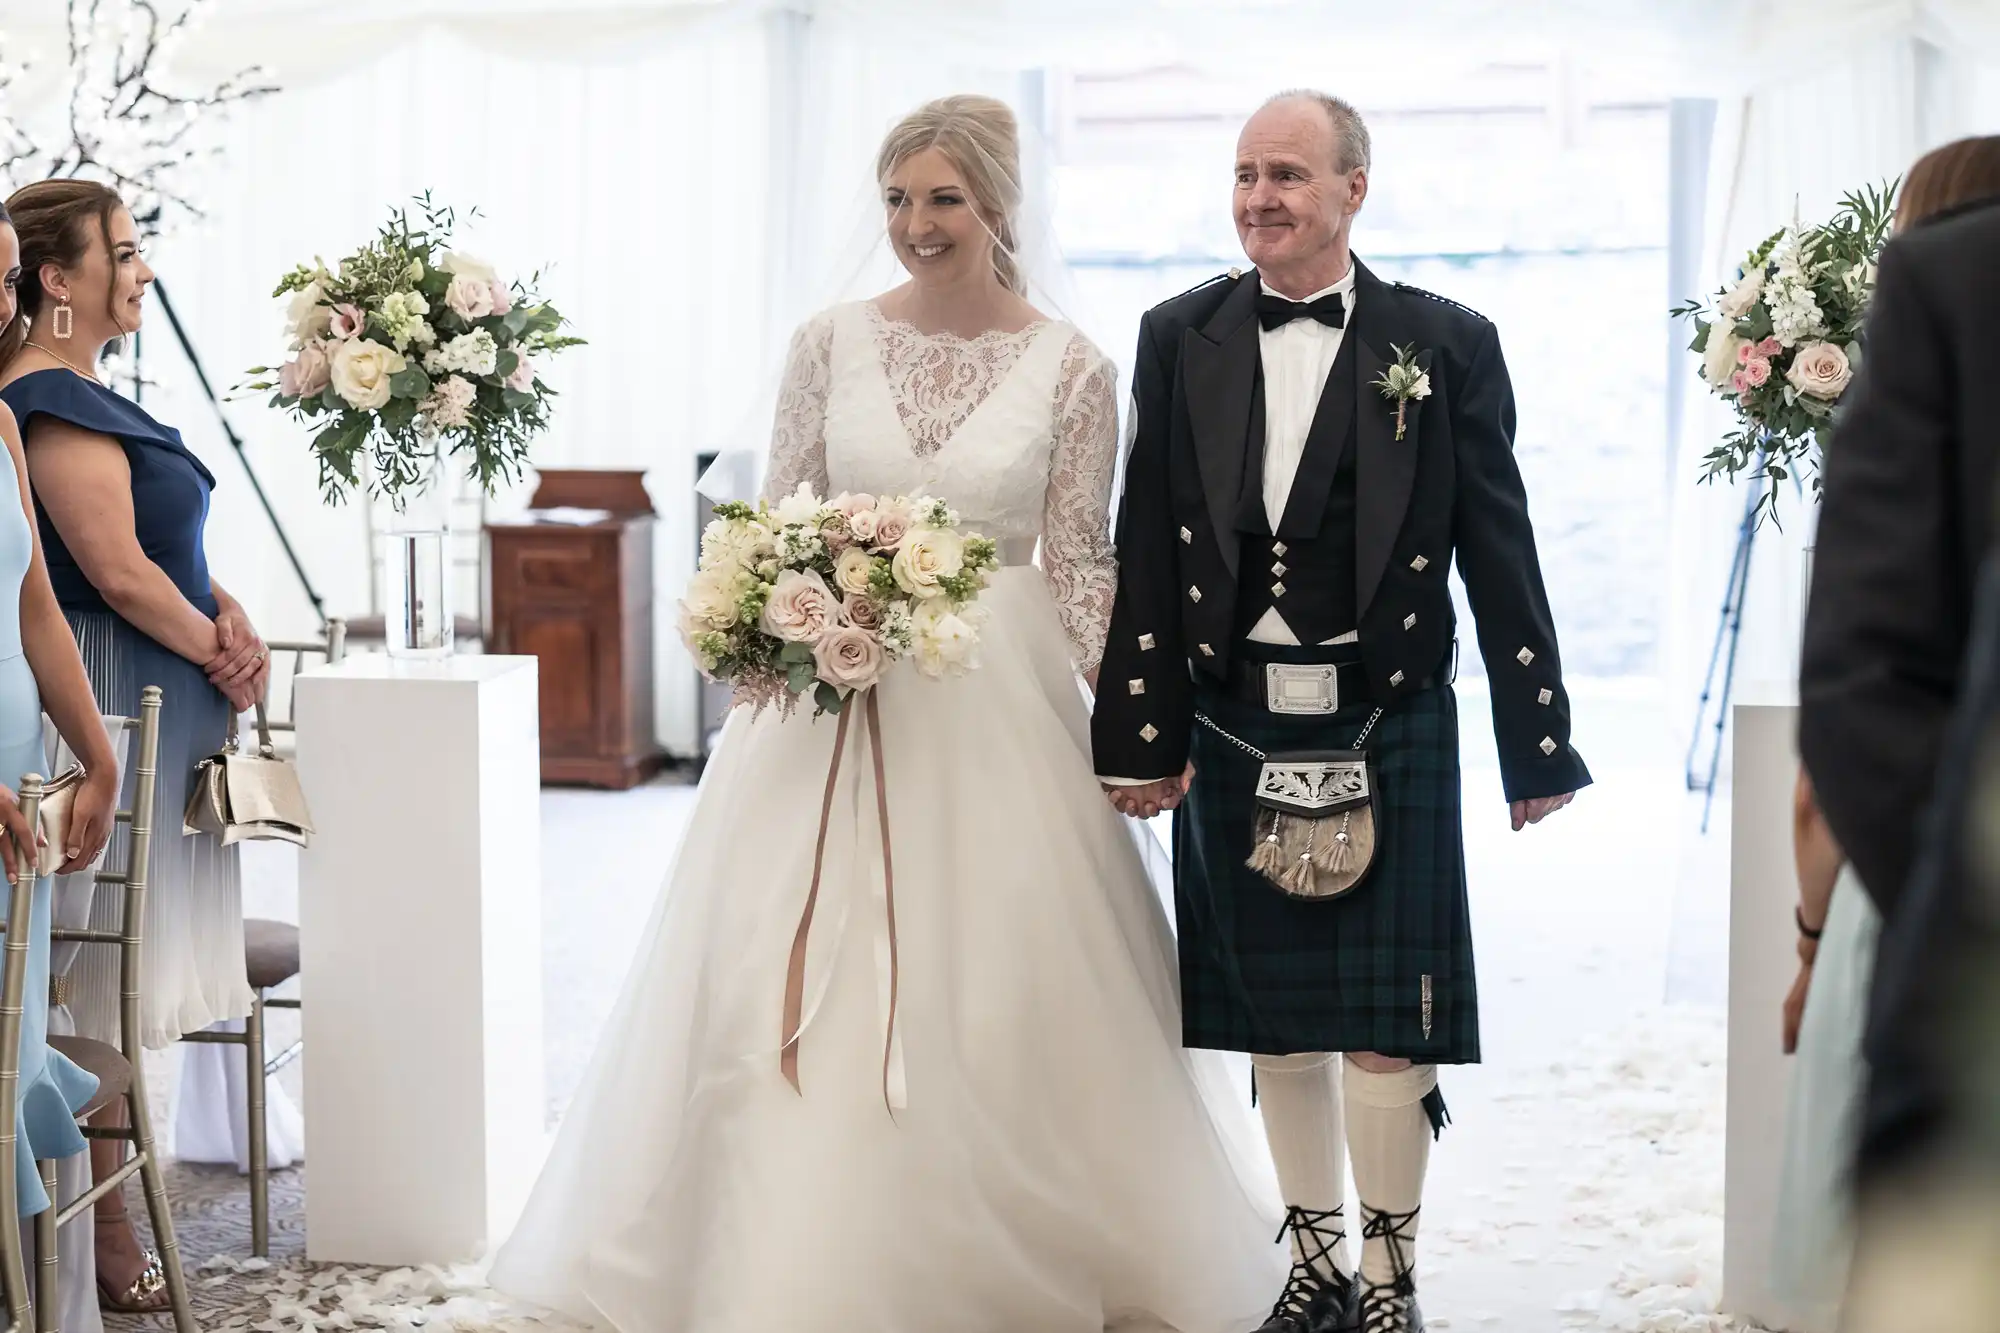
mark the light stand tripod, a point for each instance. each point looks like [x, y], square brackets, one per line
[1728, 637]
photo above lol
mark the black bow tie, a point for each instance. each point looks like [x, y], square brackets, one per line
[1275, 311]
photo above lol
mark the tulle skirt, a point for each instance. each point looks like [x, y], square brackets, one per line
[1055, 1161]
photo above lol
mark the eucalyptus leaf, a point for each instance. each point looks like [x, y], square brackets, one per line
[792, 654]
[410, 382]
[828, 698]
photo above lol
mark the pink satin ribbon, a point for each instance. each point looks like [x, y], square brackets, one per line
[795, 972]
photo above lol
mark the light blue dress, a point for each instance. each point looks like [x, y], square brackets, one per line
[1814, 1241]
[53, 1089]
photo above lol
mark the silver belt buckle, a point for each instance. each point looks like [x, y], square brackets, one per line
[1301, 689]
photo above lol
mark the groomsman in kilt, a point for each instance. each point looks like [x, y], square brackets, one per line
[1311, 448]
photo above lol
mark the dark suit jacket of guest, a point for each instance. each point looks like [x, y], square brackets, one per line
[1906, 518]
[1933, 1040]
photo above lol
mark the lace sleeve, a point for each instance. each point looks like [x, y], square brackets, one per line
[798, 436]
[1077, 558]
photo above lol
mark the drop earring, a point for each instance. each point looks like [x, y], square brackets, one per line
[63, 323]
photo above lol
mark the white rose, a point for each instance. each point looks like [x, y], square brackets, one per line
[1718, 361]
[801, 607]
[307, 316]
[926, 556]
[1422, 387]
[712, 598]
[801, 506]
[946, 641]
[469, 297]
[462, 265]
[851, 571]
[1820, 370]
[362, 369]
[1738, 300]
[849, 658]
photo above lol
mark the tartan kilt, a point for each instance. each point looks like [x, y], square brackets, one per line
[1270, 974]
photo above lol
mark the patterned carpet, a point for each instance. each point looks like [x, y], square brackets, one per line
[233, 1293]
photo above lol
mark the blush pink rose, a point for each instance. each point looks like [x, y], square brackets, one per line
[523, 377]
[1739, 383]
[307, 374]
[503, 300]
[469, 297]
[892, 524]
[849, 658]
[1756, 371]
[1821, 370]
[862, 525]
[801, 607]
[348, 321]
[850, 503]
[861, 612]
[1770, 347]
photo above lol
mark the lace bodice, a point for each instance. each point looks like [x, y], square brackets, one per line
[1018, 431]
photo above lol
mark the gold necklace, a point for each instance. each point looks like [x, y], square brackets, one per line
[30, 342]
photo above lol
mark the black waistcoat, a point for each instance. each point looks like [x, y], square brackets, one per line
[1306, 569]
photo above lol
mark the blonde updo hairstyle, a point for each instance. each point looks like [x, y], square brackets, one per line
[983, 140]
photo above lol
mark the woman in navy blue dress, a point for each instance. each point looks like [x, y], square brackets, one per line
[121, 505]
[41, 671]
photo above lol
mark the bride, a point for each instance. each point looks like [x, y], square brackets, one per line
[1040, 1156]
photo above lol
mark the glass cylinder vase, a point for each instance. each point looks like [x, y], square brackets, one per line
[418, 568]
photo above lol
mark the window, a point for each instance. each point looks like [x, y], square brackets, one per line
[1519, 191]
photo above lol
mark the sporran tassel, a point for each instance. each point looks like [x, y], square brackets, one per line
[1268, 859]
[1299, 879]
[1333, 859]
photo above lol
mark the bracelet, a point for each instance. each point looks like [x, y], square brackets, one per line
[1799, 919]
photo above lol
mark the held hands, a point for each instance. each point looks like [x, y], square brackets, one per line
[1144, 802]
[1538, 809]
[243, 666]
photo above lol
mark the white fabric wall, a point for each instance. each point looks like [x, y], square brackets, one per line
[644, 183]
[1798, 141]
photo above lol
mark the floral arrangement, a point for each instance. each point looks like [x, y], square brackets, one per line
[1782, 343]
[827, 595]
[411, 352]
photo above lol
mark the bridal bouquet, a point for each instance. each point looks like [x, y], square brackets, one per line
[1781, 344]
[411, 351]
[828, 594]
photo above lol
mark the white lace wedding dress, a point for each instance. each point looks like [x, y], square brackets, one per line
[1055, 1162]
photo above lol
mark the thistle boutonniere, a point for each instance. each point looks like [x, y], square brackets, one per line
[1403, 382]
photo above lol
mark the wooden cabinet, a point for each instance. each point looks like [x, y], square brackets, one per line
[572, 585]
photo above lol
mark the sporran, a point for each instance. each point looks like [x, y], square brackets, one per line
[1316, 816]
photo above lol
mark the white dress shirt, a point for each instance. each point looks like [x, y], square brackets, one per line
[1297, 357]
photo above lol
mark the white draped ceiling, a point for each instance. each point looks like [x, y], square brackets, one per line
[679, 160]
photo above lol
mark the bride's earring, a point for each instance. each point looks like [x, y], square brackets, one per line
[62, 324]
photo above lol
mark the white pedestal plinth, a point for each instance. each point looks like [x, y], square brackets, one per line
[420, 921]
[1763, 889]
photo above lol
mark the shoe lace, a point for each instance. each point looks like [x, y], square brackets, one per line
[1318, 1234]
[1386, 1307]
